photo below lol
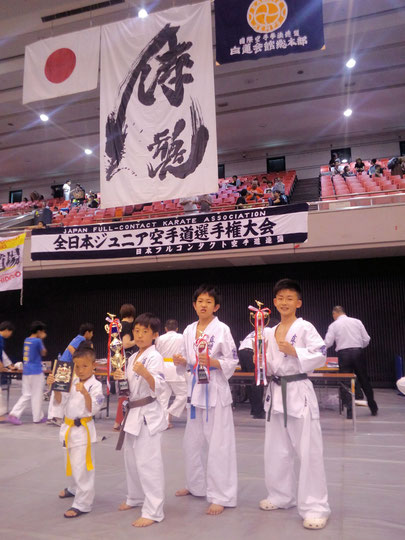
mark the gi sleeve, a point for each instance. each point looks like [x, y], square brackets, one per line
[313, 354]
[228, 355]
[181, 370]
[155, 367]
[97, 398]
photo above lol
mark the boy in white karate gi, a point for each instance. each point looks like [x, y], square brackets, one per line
[142, 425]
[78, 432]
[293, 432]
[209, 439]
[167, 345]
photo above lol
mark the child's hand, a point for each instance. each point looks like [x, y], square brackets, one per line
[81, 388]
[286, 348]
[179, 360]
[118, 375]
[51, 379]
[203, 359]
[140, 369]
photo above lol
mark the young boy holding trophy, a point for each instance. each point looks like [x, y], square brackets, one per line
[293, 432]
[82, 399]
[143, 423]
[209, 439]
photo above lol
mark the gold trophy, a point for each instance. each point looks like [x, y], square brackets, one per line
[116, 353]
[259, 318]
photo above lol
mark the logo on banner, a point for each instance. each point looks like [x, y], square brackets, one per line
[60, 65]
[267, 15]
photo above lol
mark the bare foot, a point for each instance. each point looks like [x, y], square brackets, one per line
[170, 426]
[214, 509]
[124, 506]
[182, 492]
[116, 427]
[142, 522]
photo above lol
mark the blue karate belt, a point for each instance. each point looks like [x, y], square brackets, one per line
[192, 408]
[282, 381]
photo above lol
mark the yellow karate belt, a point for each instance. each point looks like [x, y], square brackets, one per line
[83, 421]
[168, 359]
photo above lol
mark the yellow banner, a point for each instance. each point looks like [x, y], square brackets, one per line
[9, 243]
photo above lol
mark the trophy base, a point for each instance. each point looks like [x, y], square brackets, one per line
[202, 376]
[123, 387]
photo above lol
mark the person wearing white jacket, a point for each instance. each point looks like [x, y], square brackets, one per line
[209, 439]
[142, 425]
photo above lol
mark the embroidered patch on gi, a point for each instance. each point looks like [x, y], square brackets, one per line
[99, 399]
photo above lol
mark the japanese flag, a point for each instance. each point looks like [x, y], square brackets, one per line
[61, 65]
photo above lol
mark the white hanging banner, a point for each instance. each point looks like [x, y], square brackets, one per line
[157, 112]
[11, 263]
[61, 65]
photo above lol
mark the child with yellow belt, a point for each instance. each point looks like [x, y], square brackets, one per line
[78, 432]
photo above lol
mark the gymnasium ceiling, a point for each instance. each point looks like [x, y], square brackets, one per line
[286, 101]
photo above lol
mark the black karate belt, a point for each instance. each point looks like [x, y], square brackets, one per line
[131, 405]
[77, 422]
[283, 381]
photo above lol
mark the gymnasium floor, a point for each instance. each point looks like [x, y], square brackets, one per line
[365, 472]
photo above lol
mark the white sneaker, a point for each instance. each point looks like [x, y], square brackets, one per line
[315, 523]
[361, 402]
[264, 504]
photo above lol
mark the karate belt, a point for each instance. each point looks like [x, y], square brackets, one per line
[131, 405]
[78, 422]
[283, 381]
[168, 359]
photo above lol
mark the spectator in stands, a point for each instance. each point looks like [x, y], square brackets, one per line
[269, 188]
[378, 172]
[66, 190]
[279, 186]
[255, 192]
[397, 166]
[78, 195]
[359, 165]
[279, 198]
[46, 216]
[34, 196]
[337, 168]
[371, 170]
[92, 202]
[235, 181]
[1, 208]
[25, 199]
[189, 205]
[205, 202]
[241, 201]
[347, 172]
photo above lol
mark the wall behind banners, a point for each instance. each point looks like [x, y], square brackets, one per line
[370, 289]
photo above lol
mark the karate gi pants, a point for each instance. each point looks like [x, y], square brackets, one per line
[81, 483]
[32, 391]
[144, 472]
[55, 410]
[179, 389]
[210, 455]
[293, 465]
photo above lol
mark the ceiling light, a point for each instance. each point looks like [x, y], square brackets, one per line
[348, 112]
[351, 63]
[88, 151]
[344, 160]
[44, 117]
[142, 13]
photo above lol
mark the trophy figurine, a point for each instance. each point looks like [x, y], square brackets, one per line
[116, 357]
[259, 318]
[201, 348]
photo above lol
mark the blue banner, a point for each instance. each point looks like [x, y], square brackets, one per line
[252, 29]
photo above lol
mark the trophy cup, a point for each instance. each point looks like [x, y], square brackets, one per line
[116, 357]
[201, 348]
[259, 318]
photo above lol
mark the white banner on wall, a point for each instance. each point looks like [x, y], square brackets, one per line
[11, 263]
[157, 111]
[61, 65]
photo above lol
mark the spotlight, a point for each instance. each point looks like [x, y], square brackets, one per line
[44, 117]
[348, 112]
[142, 13]
[351, 63]
[88, 151]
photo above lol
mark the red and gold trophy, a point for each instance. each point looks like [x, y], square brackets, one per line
[116, 356]
[201, 349]
[259, 319]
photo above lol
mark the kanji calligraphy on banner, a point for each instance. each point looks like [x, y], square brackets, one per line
[11, 262]
[193, 233]
[252, 29]
[61, 65]
[157, 112]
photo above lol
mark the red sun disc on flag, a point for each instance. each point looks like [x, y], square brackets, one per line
[60, 65]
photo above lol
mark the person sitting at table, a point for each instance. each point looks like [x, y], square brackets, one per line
[6, 331]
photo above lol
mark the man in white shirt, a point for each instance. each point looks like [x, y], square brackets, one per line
[351, 338]
[66, 190]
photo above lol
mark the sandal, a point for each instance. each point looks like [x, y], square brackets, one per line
[315, 523]
[66, 494]
[264, 504]
[76, 511]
